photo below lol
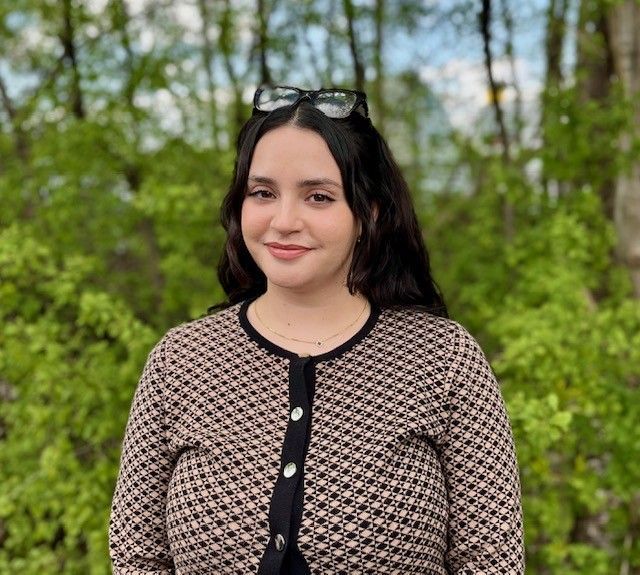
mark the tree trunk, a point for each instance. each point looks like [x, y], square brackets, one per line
[556, 29]
[263, 40]
[518, 121]
[594, 61]
[329, 48]
[594, 55]
[555, 35]
[121, 24]
[67, 38]
[508, 214]
[358, 68]
[623, 25]
[378, 64]
[227, 47]
[207, 57]
[485, 30]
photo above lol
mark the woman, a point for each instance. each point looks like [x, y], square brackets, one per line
[329, 419]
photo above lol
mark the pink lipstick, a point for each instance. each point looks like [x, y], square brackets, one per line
[286, 251]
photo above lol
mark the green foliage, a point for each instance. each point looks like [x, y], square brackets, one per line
[69, 357]
[582, 144]
[109, 234]
[569, 366]
[186, 233]
[564, 334]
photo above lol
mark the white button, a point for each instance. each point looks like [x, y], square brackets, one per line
[289, 469]
[296, 413]
[279, 542]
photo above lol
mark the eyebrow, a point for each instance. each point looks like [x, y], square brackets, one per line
[309, 182]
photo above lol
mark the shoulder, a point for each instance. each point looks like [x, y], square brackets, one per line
[437, 336]
[418, 321]
[203, 331]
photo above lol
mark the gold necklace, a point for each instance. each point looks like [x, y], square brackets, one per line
[316, 342]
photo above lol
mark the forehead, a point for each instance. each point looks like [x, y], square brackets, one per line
[293, 149]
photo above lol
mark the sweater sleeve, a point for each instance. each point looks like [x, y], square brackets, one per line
[485, 533]
[137, 533]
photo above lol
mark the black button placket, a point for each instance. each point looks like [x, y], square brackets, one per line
[285, 511]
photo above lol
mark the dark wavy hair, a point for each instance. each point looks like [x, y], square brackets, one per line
[390, 264]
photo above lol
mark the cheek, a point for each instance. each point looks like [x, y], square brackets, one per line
[252, 221]
[244, 217]
[341, 230]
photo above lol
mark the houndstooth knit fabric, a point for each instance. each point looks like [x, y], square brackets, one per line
[401, 461]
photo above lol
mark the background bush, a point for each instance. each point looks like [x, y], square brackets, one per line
[117, 126]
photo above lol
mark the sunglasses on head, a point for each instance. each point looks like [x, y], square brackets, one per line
[332, 102]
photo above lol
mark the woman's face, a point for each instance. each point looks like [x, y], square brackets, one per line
[296, 222]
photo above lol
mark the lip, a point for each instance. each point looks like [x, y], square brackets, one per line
[286, 251]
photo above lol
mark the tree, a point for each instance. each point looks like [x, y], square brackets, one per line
[623, 24]
[117, 127]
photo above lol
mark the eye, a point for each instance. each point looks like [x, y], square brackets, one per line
[262, 194]
[318, 198]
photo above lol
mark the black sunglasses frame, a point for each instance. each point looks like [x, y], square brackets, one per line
[311, 95]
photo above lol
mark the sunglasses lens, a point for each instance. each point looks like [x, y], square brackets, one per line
[273, 98]
[335, 104]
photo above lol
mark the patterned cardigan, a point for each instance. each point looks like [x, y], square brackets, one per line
[391, 454]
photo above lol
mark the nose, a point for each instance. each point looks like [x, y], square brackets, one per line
[286, 218]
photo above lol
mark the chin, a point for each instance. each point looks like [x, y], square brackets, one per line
[295, 284]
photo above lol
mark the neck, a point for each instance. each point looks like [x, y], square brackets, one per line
[314, 314]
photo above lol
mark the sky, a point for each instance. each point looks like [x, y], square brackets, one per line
[446, 54]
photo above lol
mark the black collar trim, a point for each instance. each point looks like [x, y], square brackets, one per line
[271, 347]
